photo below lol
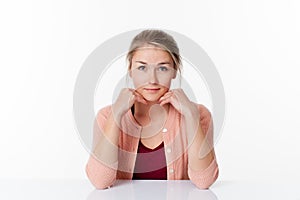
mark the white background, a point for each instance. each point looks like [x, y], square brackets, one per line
[254, 44]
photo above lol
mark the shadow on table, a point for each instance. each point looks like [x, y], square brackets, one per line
[172, 190]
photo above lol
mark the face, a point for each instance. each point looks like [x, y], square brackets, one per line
[152, 71]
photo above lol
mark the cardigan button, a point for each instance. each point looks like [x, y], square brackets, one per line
[169, 150]
[171, 170]
[164, 130]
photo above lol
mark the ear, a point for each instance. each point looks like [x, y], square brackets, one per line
[174, 74]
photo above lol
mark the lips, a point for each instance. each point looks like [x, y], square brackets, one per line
[151, 89]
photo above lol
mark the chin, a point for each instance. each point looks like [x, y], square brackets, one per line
[151, 98]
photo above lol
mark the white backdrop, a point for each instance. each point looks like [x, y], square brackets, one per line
[254, 44]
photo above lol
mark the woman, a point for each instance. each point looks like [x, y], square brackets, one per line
[152, 132]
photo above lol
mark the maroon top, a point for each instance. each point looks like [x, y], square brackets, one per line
[150, 163]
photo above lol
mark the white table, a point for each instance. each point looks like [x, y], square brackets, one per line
[146, 189]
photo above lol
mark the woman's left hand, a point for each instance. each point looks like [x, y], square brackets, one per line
[180, 102]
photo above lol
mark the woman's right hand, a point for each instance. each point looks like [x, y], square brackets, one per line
[124, 102]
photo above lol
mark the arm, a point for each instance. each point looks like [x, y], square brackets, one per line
[102, 165]
[202, 166]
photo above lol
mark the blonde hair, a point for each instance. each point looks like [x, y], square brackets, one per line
[158, 39]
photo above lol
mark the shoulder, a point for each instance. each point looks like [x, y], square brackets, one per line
[204, 111]
[206, 120]
[104, 112]
[205, 114]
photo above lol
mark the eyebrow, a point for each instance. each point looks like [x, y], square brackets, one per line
[161, 63]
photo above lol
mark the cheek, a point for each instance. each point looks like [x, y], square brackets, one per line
[138, 81]
[165, 82]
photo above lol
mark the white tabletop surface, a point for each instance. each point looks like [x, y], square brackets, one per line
[146, 189]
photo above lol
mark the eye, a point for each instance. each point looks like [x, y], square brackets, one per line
[163, 68]
[141, 68]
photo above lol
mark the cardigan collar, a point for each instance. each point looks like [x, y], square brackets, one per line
[131, 126]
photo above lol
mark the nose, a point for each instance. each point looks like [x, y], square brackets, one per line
[153, 77]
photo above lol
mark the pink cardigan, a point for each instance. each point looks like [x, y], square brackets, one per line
[103, 176]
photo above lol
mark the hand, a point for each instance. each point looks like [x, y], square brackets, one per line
[124, 102]
[189, 110]
[178, 99]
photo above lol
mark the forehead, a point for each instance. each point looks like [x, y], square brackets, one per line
[150, 54]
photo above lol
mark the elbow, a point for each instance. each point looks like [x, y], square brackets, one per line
[101, 177]
[204, 179]
[206, 183]
[101, 186]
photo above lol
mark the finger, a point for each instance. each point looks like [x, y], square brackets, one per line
[132, 98]
[131, 90]
[165, 101]
[165, 96]
[180, 93]
[137, 92]
[137, 95]
[140, 99]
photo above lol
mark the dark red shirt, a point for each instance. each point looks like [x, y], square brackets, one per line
[150, 163]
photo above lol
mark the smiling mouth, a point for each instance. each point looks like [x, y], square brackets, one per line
[152, 89]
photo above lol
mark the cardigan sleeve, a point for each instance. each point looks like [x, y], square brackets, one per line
[99, 174]
[203, 179]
